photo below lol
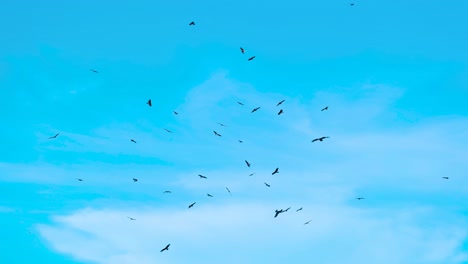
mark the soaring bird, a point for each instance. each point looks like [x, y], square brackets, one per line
[166, 248]
[300, 209]
[202, 177]
[267, 185]
[277, 212]
[280, 112]
[252, 174]
[352, 4]
[242, 50]
[94, 71]
[240, 103]
[282, 101]
[135, 180]
[133, 219]
[360, 198]
[221, 124]
[216, 133]
[248, 164]
[192, 23]
[132, 140]
[446, 178]
[167, 192]
[276, 171]
[56, 135]
[175, 113]
[325, 108]
[149, 103]
[209, 195]
[167, 130]
[229, 191]
[240, 141]
[306, 223]
[190, 206]
[255, 109]
[287, 209]
[251, 58]
[79, 179]
[320, 139]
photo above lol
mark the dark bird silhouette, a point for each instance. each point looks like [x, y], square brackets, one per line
[79, 179]
[167, 192]
[175, 113]
[255, 109]
[56, 135]
[240, 141]
[352, 4]
[216, 133]
[282, 101]
[242, 50]
[209, 195]
[280, 112]
[251, 58]
[135, 180]
[276, 171]
[252, 174]
[167, 130]
[192, 23]
[277, 212]
[320, 139]
[325, 108]
[307, 222]
[267, 185]
[248, 164]
[202, 177]
[149, 103]
[94, 71]
[166, 248]
[300, 209]
[133, 219]
[229, 191]
[287, 209]
[446, 178]
[190, 206]
[223, 125]
[240, 103]
[132, 140]
[360, 198]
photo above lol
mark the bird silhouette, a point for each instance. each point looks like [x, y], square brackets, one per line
[255, 109]
[287, 209]
[135, 180]
[446, 178]
[190, 206]
[360, 198]
[94, 71]
[240, 141]
[149, 103]
[267, 185]
[167, 130]
[192, 23]
[132, 140]
[306, 223]
[240, 103]
[209, 195]
[251, 58]
[320, 139]
[175, 113]
[252, 174]
[325, 108]
[56, 135]
[300, 209]
[133, 219]
[166, 248]
[202, 177]
[280, 102]
[216, 133]
[248, 164]
[242, 50]
[221, 124]
[229, 191]
[167, 192]
[352, 4]
[277, 212]
[280, 112]
[276, 171]
[79, 179]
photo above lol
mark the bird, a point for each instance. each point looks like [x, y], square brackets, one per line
[167, 192]
[133, 219]
[190, 206]
[56, 135]
[320, 139]
[300, 209]
[325, 108]
[248, 164]
[202, 177]
[277, 212]
[167, 130]
[255, 109]
[280, 102]
[252, 174]
[240, 103]
[446, 178]
[242, 50]
[280, 112]
[149, 103]
[216, 133]
[192, 23]
[251, 58]
[229, 191]
[267, 185]
[287, 209]
[175, 113]
[132, 140]
[240, 141]
[166, 248]
[276, 171]
[307, 222]
[221, 124]
[352, 4]
[135, 180]
[79, 179]
[360, 198]
[209, 195]
[94, 71]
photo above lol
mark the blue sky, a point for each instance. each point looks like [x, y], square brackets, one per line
[393, 73]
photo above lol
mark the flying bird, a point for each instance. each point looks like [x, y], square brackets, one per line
[56, 135]
[320, 139]
[240, 141]
[287, 209]
[267, 185]
[307, 222]
[135, 180]
[282, 101]
[167, 192]
[300, 209]
[242, 50]
[252, 174]
[202, 177]
[240, 103]
[94, 71]
[133, 219]
[352, 4]
[251, 58]
[149, 103]
[248, 164]
[167, 130]
[175, 113]
[325, 108]
[276, 171]
[446, 178]
[360, 198]
[190, 206]
[132, 140]
[280, 112]
[166, 248]
[277, 212]
[216, 133]
[255, 109]
[229, 191]
[223, 125]
[209, 195]
[192, 23]
[79, 179]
